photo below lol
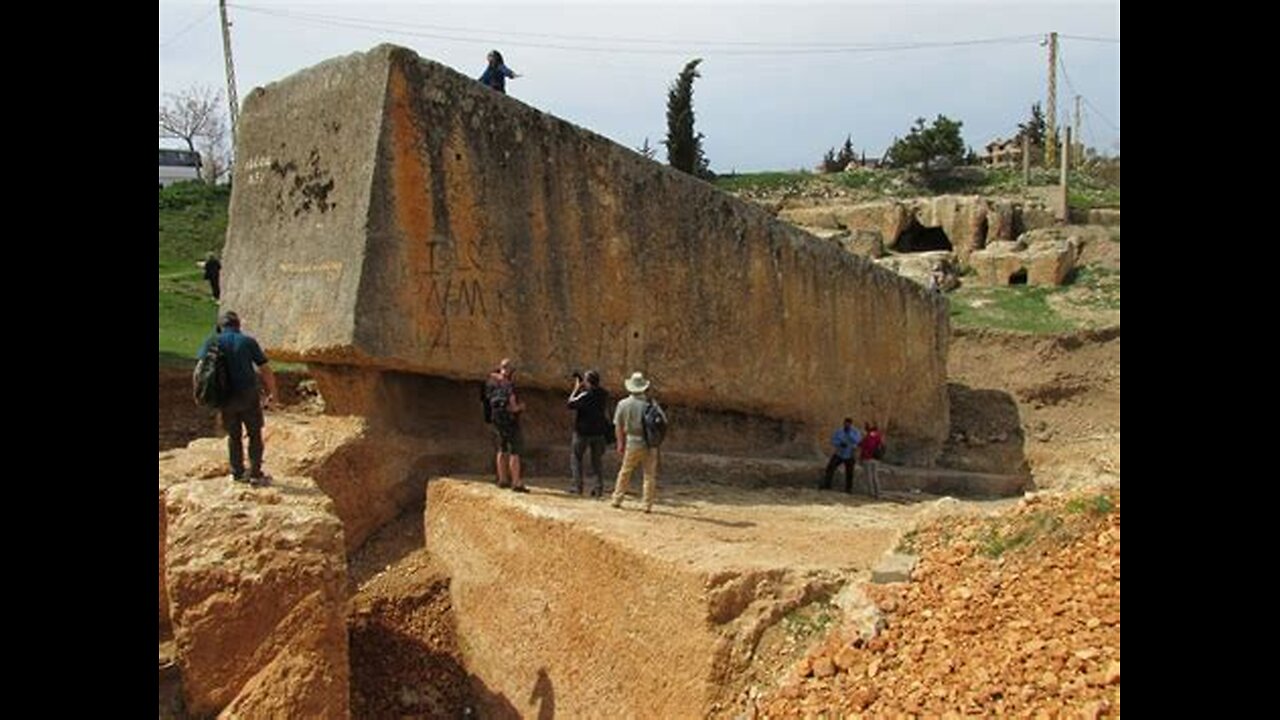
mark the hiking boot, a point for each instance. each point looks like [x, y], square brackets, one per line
[239, 479]
[574, 490]
[504, 485]
[520, 489]
[260, 480]
[597, 491]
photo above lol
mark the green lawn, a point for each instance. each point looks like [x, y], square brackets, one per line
[1027, 309]
[193, 222]
[186, 320]
[1018, 308]
[761, 180]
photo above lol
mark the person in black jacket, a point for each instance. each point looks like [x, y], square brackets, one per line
[213, 273]
[590, 429]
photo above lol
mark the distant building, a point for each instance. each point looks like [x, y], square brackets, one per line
[1003, 152]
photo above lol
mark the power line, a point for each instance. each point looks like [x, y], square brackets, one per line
[1091, 39]
[1090, 105]
[799, 49]
[560, 36]
[1099, 114]
[183, 31]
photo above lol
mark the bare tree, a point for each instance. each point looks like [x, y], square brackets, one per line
[215, 151]
[195, 117]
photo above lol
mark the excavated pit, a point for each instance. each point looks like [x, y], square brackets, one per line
[506, 583]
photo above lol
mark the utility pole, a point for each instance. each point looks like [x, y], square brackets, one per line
[1079, 143]
[1062, 186]
[1051, 117]
[231, 73]
[1026, 159]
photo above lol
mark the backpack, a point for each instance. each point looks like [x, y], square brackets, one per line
[484, 403]
[211, 380]
[499, 414]
[654, 423]
[878, 453]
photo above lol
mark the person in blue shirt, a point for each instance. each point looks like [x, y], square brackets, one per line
[495, 76]
[845, 440]
[243, 411]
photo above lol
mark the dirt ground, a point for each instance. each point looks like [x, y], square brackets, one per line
[1067, 392]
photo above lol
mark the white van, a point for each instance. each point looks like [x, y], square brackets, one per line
[178, 165]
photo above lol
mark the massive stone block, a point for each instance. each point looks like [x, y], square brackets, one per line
[391, 213]
[615, 613]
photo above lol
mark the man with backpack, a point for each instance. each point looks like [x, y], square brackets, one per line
[241, 408]
[502, 410]
[641, 426]
[590, 429]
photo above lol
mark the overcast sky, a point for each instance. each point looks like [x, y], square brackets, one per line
[781, 82]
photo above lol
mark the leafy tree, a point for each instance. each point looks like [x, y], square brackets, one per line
[833, 161]
[829, 163]
[1034, 128]
[927, 146]
[684, 147]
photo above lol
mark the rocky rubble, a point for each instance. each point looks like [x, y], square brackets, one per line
[1015, 615]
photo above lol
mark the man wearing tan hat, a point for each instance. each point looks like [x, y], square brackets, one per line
[628, 418]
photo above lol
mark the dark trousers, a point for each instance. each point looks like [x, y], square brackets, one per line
[831, 468]
[580, 445]
[244, 412]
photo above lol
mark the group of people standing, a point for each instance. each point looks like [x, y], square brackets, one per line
[852, 446]
[592, 431]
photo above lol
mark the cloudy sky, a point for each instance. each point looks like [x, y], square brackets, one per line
[781, 82]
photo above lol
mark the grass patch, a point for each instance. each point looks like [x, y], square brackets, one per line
[1096, 505]
[809, 621]
[193, 222]
[185, 321]
[1017, 308]
[1087, 189]
[889, 183]
[763, 181]
[907, 544]
[1096, 287]
[994, 541]
[1028, 309]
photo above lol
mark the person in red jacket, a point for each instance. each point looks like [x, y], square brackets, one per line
[871, 449]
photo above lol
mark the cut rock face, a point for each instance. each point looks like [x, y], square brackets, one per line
[256, 582]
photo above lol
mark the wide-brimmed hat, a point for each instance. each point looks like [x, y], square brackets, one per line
[637, 383]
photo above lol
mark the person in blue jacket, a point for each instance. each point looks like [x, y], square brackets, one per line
[496, 74]
[845, 441]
